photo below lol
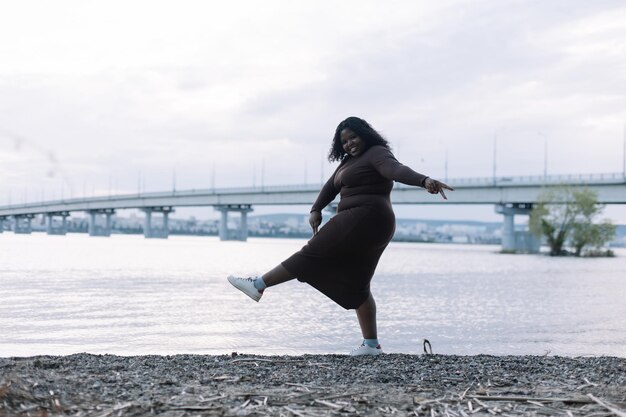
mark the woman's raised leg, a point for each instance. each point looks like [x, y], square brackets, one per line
[276, 276]
[254, 287]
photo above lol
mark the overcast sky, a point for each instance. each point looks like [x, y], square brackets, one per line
[116, 95]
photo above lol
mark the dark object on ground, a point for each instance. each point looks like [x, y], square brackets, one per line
[311, 385]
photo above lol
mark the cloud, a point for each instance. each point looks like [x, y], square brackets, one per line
[159, 88]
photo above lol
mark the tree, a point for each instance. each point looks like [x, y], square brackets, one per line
[565, 214]
[553, 216]
[588, 233]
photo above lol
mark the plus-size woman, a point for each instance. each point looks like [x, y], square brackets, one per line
[341, 257]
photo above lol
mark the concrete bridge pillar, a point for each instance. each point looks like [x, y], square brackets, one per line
[512, 240]
[2, 219]
[151, 232]
[147, 223]
[223, 224]
[51, 228]
[23, 224]
[239, 234]
[96, 229]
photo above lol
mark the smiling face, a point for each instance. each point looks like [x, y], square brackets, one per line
[351, 143]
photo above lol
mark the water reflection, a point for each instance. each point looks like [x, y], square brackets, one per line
[128, 295]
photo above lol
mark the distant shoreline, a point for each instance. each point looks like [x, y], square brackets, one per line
[395, 384]
[401, 239]
[295, 226]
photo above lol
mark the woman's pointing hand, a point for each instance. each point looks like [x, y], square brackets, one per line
[437, 187]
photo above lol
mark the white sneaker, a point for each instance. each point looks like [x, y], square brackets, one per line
[246, 285]
[366, 350]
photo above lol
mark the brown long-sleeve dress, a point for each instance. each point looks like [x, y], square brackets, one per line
[341, 258]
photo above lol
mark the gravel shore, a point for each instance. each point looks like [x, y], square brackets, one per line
[311, 385]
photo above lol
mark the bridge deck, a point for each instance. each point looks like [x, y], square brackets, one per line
[611, 189]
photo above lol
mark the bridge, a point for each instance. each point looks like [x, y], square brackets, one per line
[510, 195]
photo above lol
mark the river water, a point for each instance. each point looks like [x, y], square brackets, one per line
[128, 295]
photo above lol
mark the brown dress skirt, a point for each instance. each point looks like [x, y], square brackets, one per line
[341, 258]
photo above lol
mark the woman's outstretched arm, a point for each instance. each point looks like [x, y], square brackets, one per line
[388, 166]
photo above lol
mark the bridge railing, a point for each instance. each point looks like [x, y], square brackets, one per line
[534, 180]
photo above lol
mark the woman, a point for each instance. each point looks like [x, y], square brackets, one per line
[341, 258]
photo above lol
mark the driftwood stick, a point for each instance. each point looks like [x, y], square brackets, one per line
[329, 404]
[295, 412]
[521, 398]
[291, 397]
[347, 394]
[105, 413]
[197, 407]
[448, 412]
[465, 392]
[217, 397]
[482, 404]
[422, 401]
[607, 405]
[253, 394]
[298, 385]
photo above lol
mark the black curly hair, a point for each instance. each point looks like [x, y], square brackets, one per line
[362, 129]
